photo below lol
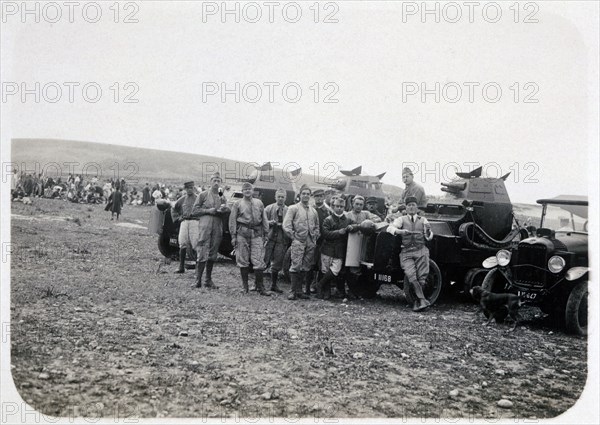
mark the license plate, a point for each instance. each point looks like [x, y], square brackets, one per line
[173, 241]
[380, 277]
[527, 295]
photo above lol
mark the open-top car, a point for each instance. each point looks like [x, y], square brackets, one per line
[550, 269]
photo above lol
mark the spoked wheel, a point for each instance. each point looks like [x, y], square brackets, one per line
[432, 287]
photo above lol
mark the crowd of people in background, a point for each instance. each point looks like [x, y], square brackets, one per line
[78, 188]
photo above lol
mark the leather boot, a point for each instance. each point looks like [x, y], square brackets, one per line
[294, 290]
[324, 285]
[340, 286]
[244, 272]
[301, 281]
[181, 268]
[274, 288]
[308, 277]
[260, 287]
[208, 281]
[421, 304]
[199, 271]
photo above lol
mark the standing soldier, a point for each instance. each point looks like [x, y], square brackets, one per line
[356, 216]
[301, 224]
[248, 225]
[278, 241]
[188, 229]
[333, 250]
[323, 212]
[414, 257]
[209, 207]
[412, 189]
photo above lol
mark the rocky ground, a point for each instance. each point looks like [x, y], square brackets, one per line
[102, 327]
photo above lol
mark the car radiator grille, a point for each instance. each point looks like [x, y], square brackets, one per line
[530, 271]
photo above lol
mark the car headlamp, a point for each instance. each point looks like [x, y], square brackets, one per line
[556, 264]
[503, 257]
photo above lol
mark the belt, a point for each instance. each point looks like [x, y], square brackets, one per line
[190, 219]
[248, 226]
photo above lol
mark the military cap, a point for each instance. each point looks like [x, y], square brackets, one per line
[215, 175]
[407, 170]
[280, 190]
[410, 199]
[371, 200]
[246, 185]
[188, 185]
[318, 192]
[359, 197]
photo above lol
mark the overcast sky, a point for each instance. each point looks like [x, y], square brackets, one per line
[377, 58]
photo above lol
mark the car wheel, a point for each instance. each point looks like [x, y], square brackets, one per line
[494, 281]
[165, 247]
[432, 288]
[473, 277]
[576, 312]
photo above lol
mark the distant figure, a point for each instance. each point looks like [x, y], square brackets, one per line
[277, 241]
[146, 195]
[115, 203]
[412, 189]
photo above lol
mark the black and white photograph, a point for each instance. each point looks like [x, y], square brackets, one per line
[299, 212]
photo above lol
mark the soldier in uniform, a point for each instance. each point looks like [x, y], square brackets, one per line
[372, 208]
[188, 229]
[209, 207]
[414, 257]
[333, 250]
[355, 217]
[301, 224]
[323, 212]
[248, 226]
[277, 241]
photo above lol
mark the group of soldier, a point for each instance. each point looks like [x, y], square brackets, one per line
[315, 235]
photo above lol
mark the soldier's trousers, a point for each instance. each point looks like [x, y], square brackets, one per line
[250, 249]
[415, 265]
[210, 234]
[188, 234]
[303, 255]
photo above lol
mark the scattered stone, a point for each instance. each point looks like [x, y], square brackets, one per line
[484, 384]
[26, 385]
[183, 333]
[266, 396]
[78, 310]
[505, 404]
[358, 355]
[453, 393]
[550, 333]
[43, 376]
[128, 311]
[404, 355]
[500, 372]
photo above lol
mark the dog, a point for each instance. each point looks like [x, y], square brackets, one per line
[497, 306]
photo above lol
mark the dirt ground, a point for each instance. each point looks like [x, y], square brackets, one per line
[102, 327]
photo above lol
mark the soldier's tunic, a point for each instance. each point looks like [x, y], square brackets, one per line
[210, 227]
[414, 257]
[333, 249]
[416, 190]
[188, 230]
[248, 225]
[277, 241]
[301, 224]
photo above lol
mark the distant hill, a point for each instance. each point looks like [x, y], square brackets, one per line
[136, 165]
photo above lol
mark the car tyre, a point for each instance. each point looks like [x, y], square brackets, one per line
[576, 312]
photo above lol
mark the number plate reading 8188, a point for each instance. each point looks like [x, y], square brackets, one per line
[380, 277]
